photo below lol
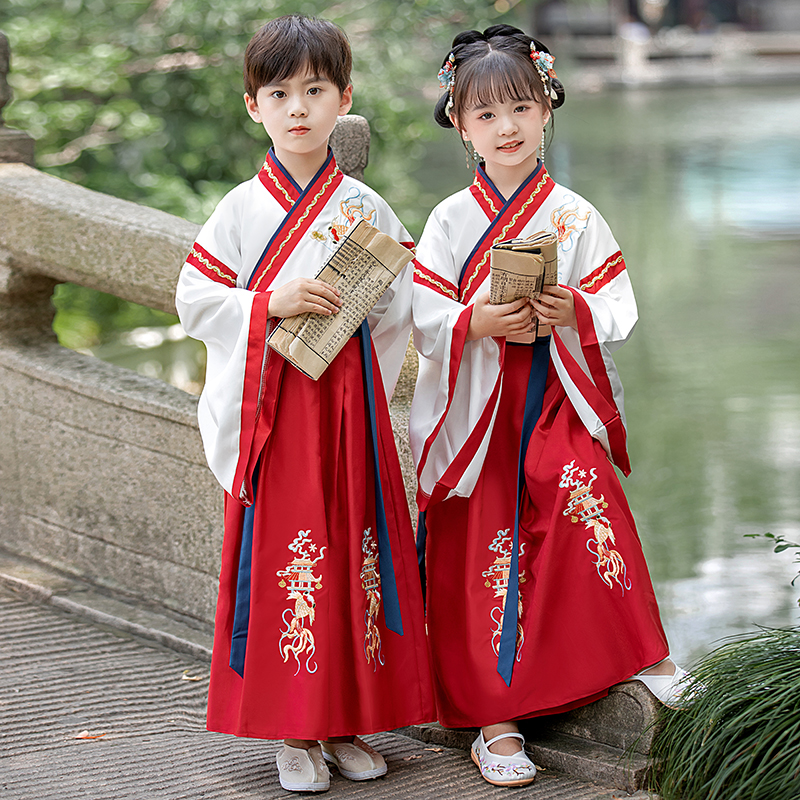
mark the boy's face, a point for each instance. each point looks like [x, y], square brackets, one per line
[299, 114]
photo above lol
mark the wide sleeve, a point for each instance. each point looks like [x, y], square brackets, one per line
[458, 382]
[601, 276]
[232, 322]
[606, 314]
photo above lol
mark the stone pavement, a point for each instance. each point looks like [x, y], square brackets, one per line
[91, 711]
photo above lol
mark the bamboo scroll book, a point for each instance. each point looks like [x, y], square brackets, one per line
[522, 268]
[363, 265]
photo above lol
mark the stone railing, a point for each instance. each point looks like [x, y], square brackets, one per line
[102, 473]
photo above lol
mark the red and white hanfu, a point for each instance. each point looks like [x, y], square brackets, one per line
[587, 617]
[307, 654]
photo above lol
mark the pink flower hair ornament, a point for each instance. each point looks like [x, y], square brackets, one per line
[447, 79]
[544, 66]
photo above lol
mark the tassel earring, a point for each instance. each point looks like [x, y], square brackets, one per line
[471, 155]
[543, 144]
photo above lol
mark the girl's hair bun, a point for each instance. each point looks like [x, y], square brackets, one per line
[468, 37]
[561, 94]
[513, 53]
[440, 115]
[502, 30]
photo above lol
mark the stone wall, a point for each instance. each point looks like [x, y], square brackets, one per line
[102, 473]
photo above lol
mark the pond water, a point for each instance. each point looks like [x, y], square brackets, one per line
[702, 190]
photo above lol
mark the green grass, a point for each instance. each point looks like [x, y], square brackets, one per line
[739, 738]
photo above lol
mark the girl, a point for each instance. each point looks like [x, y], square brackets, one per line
[319, 627]
[539, 598]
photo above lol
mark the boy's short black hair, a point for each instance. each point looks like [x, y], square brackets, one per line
[288, 45]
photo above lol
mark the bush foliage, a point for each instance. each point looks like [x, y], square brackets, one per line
[142, 99]
[738, 739]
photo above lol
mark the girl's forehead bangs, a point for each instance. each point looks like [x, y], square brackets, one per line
[496, 81]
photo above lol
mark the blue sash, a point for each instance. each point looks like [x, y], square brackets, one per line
[534, 399]
[391, 600]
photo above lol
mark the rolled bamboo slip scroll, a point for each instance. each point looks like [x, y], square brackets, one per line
[522, 268]
[361, 267]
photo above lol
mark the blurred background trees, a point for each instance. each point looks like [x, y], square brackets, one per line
[142, 99]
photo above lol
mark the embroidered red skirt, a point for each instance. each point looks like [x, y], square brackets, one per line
[588, 617]
[319, 660]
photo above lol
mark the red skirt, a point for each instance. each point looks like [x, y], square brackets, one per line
[588, 617]
[319, 660]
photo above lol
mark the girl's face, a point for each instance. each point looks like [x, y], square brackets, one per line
[507, 135]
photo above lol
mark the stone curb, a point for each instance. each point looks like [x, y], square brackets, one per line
[40, 585]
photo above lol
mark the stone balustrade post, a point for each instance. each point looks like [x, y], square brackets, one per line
[14, 145]
[25, 302]
[25, 305]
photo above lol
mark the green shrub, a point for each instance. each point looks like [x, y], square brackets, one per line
[739, 738]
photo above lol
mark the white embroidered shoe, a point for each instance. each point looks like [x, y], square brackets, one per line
[356, 761]
[516, 770]
[303, 770]
[671, 690]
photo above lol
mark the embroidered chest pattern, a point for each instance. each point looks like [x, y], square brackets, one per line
[583, 506]
[297, 639]
[567, 223]
[497, 580]
[371, 584]
[351, 210]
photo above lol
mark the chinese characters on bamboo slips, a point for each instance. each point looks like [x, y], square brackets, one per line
[522, 268]
[363, 265]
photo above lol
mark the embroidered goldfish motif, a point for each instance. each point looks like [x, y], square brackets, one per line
[583, 506]
[371, 584]
[351, 209]
[497, 579]
[297, 639]
[567, 222]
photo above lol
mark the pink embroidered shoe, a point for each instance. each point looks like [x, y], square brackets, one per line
[356, 761]
[516, 770]
[303, 770]
[671, 690]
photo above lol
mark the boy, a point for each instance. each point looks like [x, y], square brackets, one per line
[319, 627]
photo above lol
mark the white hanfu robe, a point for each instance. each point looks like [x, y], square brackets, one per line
[316, 520]
[499, 504]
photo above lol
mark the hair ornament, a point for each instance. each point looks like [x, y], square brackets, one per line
[447, 79]
[544, 66]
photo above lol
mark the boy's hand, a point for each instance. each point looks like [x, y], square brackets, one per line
[506, 319]
[556, 306]
[304, 294]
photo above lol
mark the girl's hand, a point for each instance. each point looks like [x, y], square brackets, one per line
[304, 294]
[507, 319]
[556, 306]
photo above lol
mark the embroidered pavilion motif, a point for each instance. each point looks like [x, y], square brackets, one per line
[371, 584]
[497, 579]
[583, 506]
[297, 639]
